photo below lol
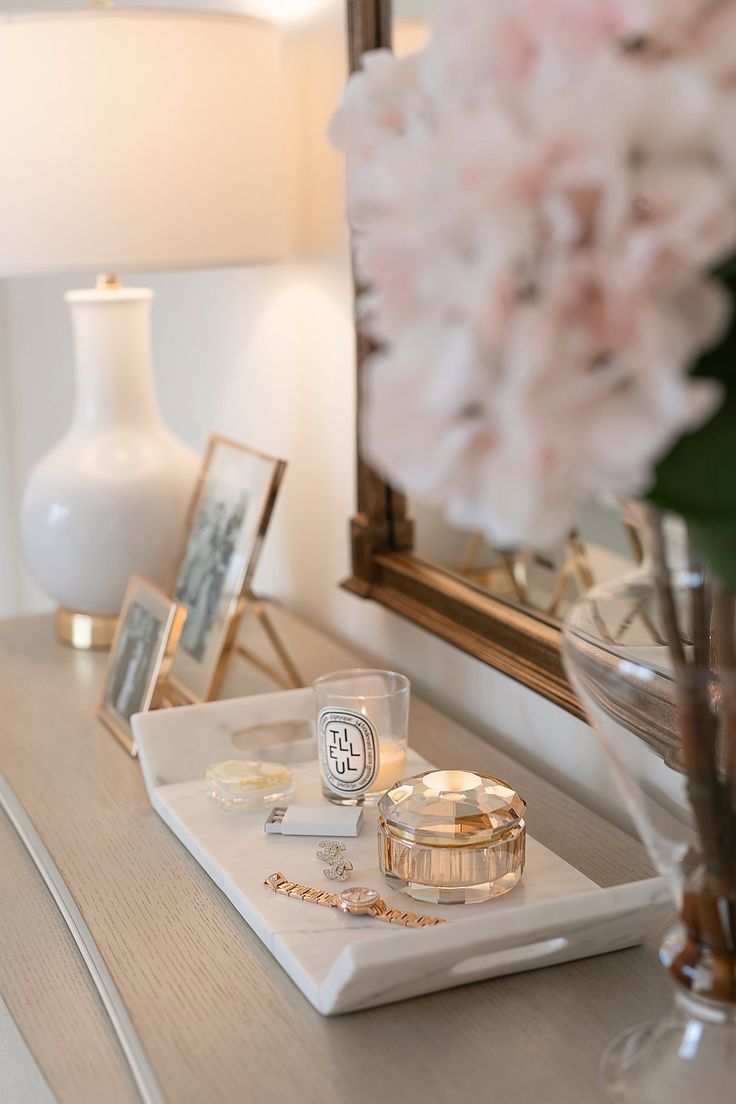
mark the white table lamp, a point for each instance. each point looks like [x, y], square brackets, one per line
[133, 140]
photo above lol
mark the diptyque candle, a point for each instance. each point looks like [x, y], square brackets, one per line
[362, 729]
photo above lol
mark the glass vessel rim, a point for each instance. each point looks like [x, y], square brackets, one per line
[402, 683]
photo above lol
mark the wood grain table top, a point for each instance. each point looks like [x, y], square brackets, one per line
[215, 1016]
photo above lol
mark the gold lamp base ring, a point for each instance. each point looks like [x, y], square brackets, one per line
[85, 630]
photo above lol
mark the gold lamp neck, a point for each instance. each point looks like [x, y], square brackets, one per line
[108, 281]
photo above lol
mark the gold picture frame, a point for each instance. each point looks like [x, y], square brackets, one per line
[227, 523]
[141, 656]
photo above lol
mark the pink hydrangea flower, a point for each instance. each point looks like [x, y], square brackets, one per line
[538, 200]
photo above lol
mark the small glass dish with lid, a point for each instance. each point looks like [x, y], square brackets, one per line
[451, 836]
[237, 784]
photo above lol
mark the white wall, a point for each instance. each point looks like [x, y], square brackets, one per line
[266, 355]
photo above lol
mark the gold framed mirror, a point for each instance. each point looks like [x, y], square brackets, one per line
[504, 608]
[386, 566]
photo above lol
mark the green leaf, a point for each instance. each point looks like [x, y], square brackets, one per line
[717, 545]
[720, 362]
[697, 479]
[698, 476]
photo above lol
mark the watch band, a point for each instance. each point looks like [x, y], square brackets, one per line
[408, 919]
[279, 884]
[377, 909]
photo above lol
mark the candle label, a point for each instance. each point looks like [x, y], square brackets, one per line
[349, 751]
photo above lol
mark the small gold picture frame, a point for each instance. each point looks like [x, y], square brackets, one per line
[142, 652]
[227, 523]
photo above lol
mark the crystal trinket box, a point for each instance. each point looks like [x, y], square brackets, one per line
[452, 836]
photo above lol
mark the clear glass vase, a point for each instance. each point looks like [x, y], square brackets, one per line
[654, 655]
[688, 1055]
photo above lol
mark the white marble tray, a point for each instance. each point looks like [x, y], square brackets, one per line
[342, 963]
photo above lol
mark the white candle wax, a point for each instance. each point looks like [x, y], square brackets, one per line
[391, 767]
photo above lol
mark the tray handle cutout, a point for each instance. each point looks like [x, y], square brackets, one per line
[514, 957]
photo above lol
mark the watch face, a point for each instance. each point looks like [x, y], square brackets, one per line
[358, 899]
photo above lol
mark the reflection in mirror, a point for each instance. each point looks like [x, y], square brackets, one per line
[602, 546]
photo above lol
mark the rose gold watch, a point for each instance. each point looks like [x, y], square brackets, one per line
[356, 901]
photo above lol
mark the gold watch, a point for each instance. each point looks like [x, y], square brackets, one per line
[356, 901]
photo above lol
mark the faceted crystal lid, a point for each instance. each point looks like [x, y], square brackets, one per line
[450, 807]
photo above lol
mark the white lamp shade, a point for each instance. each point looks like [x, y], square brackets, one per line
[139, 140]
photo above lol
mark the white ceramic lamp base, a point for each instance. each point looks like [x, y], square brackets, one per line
[111, 497]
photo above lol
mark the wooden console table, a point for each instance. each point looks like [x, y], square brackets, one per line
[215, 1017]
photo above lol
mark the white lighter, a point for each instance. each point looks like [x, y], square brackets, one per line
[314, 820]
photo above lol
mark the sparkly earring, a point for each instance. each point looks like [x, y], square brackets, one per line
[338, 866]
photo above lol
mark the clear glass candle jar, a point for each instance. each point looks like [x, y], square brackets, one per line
[451, 836]
[362, 732]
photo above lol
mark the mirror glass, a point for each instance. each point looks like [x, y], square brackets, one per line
[600, 547]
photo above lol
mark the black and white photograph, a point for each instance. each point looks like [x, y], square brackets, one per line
[148, 632]
[210, 550]
[228, 520]
[136, 654]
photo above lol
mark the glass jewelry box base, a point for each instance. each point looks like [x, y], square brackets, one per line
[453, 895]
[343, 963]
